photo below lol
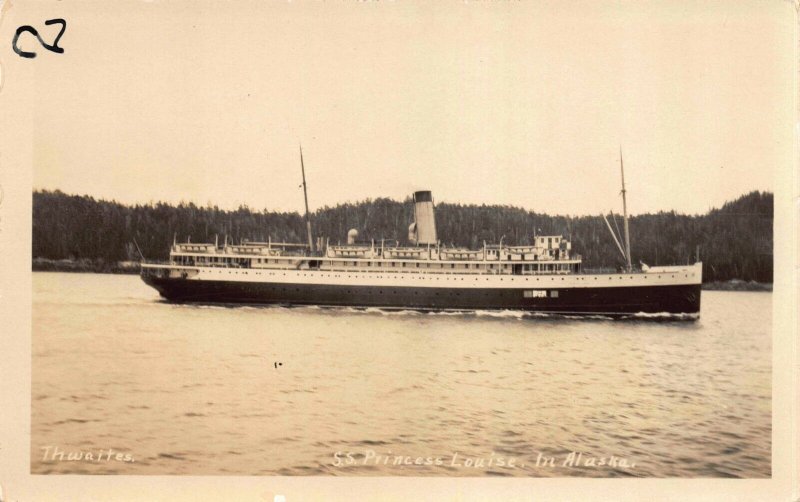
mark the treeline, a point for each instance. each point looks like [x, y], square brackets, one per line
[735, 240]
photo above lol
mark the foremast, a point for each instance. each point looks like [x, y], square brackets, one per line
[305, 197]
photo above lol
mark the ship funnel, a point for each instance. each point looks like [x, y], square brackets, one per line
[423, 230]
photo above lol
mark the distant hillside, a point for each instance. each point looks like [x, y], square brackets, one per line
[735, 241]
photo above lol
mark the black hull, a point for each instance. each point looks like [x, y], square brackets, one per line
[613, 301]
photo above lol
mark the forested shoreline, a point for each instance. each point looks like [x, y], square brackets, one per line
[735, 240]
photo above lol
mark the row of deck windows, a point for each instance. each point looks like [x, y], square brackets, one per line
[526, 268]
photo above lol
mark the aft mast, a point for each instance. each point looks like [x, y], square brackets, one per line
[625, 214]
[305, 197]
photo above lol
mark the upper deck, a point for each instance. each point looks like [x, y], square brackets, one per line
[547, 255]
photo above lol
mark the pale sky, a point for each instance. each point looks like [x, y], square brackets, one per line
[521, 103]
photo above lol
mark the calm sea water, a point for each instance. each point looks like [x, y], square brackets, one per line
[134, 385]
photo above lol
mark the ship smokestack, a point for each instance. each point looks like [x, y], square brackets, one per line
[423, 230]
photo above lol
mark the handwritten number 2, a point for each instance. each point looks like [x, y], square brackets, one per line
[30, 29]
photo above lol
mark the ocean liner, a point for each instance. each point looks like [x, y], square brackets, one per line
[545, 276]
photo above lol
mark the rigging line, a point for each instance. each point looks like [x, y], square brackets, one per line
[616, 241]
[614, 218]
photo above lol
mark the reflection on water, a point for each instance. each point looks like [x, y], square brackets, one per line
[306, 391]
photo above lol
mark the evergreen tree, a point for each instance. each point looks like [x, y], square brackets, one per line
[735, 240]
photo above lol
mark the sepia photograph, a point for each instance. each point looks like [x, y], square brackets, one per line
[397, 239]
